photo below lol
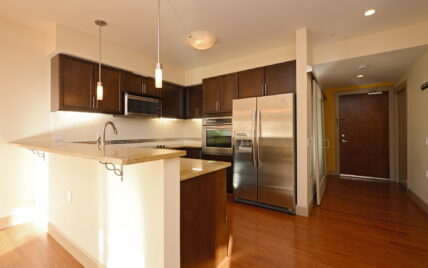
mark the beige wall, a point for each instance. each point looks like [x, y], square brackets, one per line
[86, 46]
[282, 54]
[24, 111]
[417, 127]
[394, 39]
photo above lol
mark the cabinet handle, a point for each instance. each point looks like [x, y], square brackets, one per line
[93, 102]
[217, 106]
[265, 89]
[143, 88]
[197, 111]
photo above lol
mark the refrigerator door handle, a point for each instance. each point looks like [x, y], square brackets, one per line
[253, 139]
[258, 133]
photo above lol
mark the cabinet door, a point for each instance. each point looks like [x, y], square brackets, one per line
[211, 95]
[172, 101]
[194, 102]
[132, 83]
[110, 78]
[281, 78]
[76, 83]
[229, 88]
[251, 83]
[149, 88]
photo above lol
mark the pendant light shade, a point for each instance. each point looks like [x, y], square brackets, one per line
[100, 88]
[158, 75]
[158, 70]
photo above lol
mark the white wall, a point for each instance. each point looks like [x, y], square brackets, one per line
[417, 127]
[129, 223]
[24, 111]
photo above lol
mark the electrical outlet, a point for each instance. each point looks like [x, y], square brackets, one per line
[426, 173]
[69, 197]
[426, 140]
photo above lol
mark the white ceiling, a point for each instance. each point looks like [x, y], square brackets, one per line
[384, 67]
[243, 26]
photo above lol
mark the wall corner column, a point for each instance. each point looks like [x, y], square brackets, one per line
[303, 101]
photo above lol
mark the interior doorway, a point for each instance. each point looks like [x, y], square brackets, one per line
[363, 141]
[401, 134]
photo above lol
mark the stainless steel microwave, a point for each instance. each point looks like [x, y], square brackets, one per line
[217, 135]
[141, 107]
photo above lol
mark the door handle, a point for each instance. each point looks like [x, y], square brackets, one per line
[259, 131]
[253, 140]
[344, 141]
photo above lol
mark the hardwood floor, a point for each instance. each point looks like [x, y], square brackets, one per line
[26, 246]
[359, 224]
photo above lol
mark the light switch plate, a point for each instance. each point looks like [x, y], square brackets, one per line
[426, 140]
[426, 173]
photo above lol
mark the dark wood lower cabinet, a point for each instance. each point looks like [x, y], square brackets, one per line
[204, 227]
[224, 158]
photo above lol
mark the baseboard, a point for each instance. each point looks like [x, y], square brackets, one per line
[303, 211]
[76, 251]
[421, 203]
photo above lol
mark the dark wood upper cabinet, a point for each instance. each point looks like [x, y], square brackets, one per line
[218, 94]
[251, 83]
[111, 103]
[280, 78]
[211, 94]
[73, 84]
[193, 102]
[149, 88]
[228, 92]
[172, 101]
[132, 83]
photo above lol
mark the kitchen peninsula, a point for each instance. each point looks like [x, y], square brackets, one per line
[130, 217]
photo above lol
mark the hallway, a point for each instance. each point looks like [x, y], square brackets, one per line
[359, 224]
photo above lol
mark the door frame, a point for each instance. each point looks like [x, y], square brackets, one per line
[392, 126]
[397, 90]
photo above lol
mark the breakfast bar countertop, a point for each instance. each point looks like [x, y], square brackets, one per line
[120, 155]
[190, 168]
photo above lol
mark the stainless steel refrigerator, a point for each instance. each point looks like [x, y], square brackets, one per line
[264, 151]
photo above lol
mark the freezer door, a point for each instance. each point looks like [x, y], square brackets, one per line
[275, 141]
[244, 158]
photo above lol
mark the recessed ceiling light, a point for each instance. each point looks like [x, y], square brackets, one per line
[201, 40]
[360, 76]
[369, 12]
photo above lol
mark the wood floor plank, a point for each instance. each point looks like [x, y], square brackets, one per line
[359, 224]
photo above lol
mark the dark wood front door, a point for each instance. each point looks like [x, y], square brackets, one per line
[364, 135]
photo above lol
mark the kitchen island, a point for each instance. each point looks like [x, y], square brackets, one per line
[119, 206]
[204, 224]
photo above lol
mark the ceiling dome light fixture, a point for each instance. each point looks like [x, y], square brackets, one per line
[100, 88]
[201, 40]
[370, 12]
[158, 69]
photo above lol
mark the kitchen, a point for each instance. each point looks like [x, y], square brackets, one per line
[147, 152]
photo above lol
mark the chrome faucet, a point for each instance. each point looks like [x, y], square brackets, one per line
[102, 140]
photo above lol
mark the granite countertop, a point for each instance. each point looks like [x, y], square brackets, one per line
[121, 155]
[190, 168]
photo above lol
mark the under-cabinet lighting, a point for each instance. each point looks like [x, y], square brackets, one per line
[197, 169]
[370, 12]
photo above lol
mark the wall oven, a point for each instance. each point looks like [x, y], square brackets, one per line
[217, 135]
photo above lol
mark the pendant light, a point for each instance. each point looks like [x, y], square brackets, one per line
[158, 70]
[100, 88]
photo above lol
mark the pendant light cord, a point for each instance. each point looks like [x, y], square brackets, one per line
[158, 31]
[99, 64]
